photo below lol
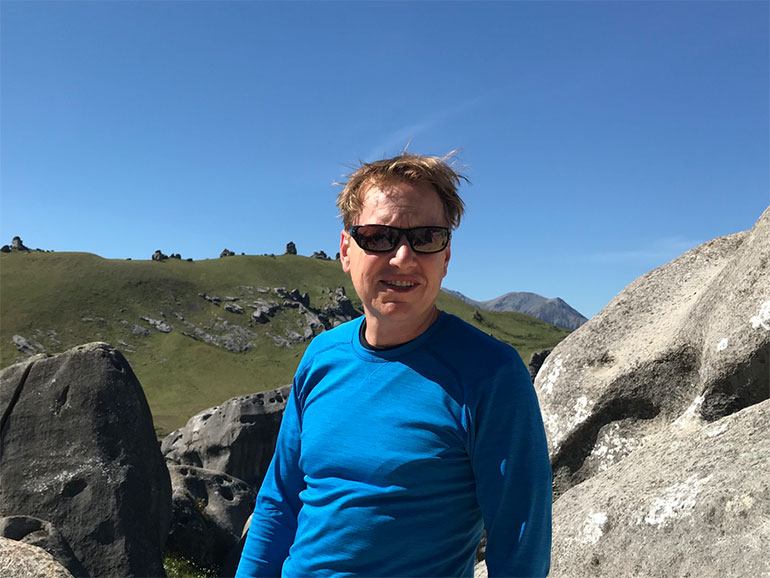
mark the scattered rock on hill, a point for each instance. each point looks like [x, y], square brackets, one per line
[22, 560]
[320, 255]
[340, 309]
[159, 256]
[291, 248]
[92, 466]
[209, 510]
[229, 336]
[237, 437]
[24, 346]
[233, 308]
[226, 253]
[158, 324]
[43, 534]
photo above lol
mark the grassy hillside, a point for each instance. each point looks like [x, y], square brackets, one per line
[59, 300]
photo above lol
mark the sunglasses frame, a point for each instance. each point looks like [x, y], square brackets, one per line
[401, 232]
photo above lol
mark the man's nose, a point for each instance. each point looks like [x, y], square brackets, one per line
[403, 252]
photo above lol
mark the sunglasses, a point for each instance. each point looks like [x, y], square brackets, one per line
[384, 238]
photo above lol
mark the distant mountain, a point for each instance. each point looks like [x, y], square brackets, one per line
[554, 311]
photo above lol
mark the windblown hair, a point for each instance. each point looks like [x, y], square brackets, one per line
[406, 167]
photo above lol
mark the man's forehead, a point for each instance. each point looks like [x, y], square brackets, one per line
[392, 186]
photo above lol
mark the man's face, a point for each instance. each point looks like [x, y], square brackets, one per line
[398, 289]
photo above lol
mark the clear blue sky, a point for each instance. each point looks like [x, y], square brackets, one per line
[602, 139]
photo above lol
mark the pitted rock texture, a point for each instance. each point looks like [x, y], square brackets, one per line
[237, 437]
[686, 343]
[20, 560]
[43, 534]
[209, 511]
[78, 449]
[692, 502]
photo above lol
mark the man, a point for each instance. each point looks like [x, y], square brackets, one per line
[407, 430]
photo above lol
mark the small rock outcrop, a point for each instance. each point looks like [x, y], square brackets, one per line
[157, 324]
[159, 256]
[209, 510]
[237, 437]
[17, 246]
[22, 560]
[291, 248]
[92, 466]
[320, 255]
[226, 253]
[536, 362]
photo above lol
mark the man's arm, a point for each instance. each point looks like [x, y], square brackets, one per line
[513, 474]
[274, 523]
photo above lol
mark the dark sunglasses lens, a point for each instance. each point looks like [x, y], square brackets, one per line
[377, 238]
[428, 239]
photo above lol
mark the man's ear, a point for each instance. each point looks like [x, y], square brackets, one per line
[447, 255]
[345, 251]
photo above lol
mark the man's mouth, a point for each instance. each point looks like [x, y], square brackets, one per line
[399, 283]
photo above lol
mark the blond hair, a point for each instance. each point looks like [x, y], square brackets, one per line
[406, 167]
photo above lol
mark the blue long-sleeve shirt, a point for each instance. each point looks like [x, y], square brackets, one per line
[388, 463]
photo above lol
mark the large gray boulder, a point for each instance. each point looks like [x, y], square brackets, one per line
[236, 438]
[687, 341]
[43, 534]
[78, 449]
[209, 511]
[691, 502]
[20, 560]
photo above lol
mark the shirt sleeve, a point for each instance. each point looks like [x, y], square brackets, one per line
[513, 473]
[274, 523]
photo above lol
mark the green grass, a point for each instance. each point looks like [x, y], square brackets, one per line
[177, 567]
[83, 298]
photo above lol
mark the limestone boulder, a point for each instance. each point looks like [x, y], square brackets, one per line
[22, 560]
[209, 511]
[686, 343]
[78, 449]
[237, 438]
[692, 502]
[43, 534]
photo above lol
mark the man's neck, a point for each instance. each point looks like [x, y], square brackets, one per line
[386, 336]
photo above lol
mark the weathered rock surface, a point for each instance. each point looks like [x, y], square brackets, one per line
[690, 502]
[291, 248]
[687, 342]
[209, 510]
[237, 437]
[78, 448]
[20, 560]
[43, 534]
[226, 253]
